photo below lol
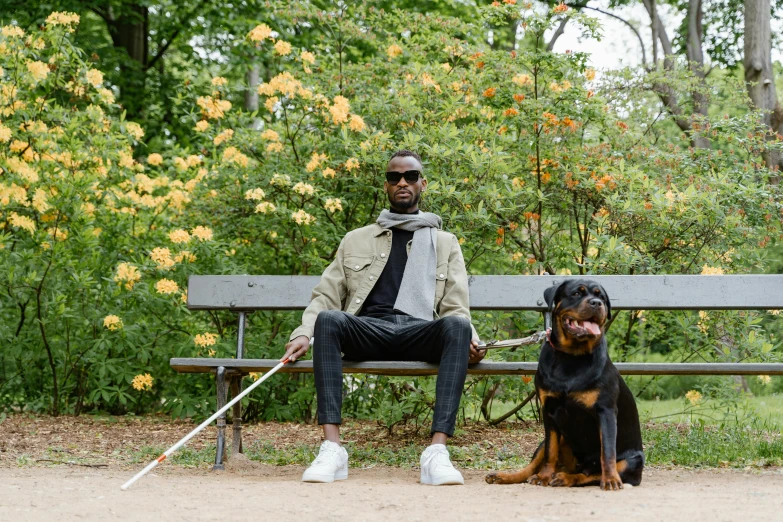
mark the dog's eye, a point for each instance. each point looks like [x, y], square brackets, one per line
[577, 293]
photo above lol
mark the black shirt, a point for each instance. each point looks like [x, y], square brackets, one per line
[381, 300]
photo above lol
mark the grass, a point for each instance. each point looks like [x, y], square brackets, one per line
[767, 408]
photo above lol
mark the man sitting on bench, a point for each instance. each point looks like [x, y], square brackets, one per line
[397, 290]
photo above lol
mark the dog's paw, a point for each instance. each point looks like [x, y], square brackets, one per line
[561, 480]
[540, 480]
[493, 478]
[611, 482]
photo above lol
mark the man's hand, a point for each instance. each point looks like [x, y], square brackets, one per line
[475, 354]
[296, 348]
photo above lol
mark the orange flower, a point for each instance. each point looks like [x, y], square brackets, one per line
[519, 97]
[480, 65]
[526, 379]
[510, 2]
[501, 232]
[511, 112]
[562, 8]
[622, 125]
[489, 93]
[531, 216]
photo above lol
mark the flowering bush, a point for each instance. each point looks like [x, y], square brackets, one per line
[532, 162]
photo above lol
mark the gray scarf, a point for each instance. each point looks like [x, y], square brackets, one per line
[417, 290]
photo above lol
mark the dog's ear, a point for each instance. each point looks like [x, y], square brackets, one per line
[549, 296]
[608, 303]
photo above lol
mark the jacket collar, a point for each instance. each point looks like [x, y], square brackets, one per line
[378, 230]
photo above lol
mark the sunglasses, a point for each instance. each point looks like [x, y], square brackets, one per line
[411, 176]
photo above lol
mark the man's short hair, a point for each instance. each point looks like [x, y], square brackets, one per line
[405, 153]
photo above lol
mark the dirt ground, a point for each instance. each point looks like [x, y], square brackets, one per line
[35, 486]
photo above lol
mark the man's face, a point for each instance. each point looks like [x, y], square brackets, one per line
[404, 196]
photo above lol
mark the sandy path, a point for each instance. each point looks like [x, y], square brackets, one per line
[275, 493]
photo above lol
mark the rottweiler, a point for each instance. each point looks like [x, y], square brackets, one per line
[591, 425]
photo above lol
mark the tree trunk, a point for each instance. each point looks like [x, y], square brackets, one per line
[696, 62]
[131, 33]
[759, 76]
[251, 94]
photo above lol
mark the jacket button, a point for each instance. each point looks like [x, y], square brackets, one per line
[357, 268]
[358, 301]
[383, 255]
[442, 276]
[371, 278]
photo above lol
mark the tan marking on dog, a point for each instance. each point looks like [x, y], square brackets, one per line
[587, 397]
[544, 394]
[521, 475]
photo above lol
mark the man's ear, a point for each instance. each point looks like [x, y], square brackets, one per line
[549, 297]
[608, 304]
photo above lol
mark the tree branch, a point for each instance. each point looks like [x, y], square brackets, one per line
[629, 24]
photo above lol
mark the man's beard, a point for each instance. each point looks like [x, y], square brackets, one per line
[405, 205]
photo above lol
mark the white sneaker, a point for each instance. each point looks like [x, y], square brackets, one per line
[331, 464]
[436, 468]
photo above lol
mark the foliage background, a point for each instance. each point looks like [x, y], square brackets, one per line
[535, 162]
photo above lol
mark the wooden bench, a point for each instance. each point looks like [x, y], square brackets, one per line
[245, 294]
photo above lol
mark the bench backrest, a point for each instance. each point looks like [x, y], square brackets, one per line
[646, 292]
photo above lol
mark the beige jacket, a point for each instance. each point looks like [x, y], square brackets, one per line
[362, 254]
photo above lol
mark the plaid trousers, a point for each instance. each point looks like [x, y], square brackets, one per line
[445, 341]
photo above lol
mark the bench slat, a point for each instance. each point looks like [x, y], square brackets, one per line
[403, 368]
[653, 292]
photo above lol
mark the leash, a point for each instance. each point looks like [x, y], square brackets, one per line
[513, 343]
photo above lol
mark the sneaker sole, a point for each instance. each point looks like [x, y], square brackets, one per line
[324, 479]
[443, 482]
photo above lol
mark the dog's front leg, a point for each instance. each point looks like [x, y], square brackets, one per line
[610, 478]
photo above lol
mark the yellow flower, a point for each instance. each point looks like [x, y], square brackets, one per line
[155, 159]
[219, 81]
[203, 233]
[232, 154]
[394, 51]
[304, 189]
[107, 96]
[351, 164]
[22, 222]
[223, 136]
[162, 256]
[328, 173]
[282, 48]
[516, 256]
[315, 161]
[275, 146]
[282, 180]
[128, 273]
[774, 312]
[270, 135]
[260, 32]
[206, 339]
[709, 270]
[201, 126]
[308, 57]
[62, 18]
[185, 256]
[11, 31]
[95, 77]
[766, 380]
[39, 70]
[265, 207]
[40, 202]
[135, 130]
[333, 205]
[302, 218]
[357, 123]
[590, 74]
[271, 102]
[179, 236]
[522, 80]
[142, 382]
[112, 322]
[213, 108]
[166, 286]
[255, 194]
[693, 396]
[5, 134]
[340, 109]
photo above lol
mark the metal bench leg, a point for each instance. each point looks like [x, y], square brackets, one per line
[220, 379]
[236, 412]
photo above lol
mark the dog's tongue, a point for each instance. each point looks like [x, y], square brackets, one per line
[591, 327]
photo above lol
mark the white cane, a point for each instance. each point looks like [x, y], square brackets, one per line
[201, 426]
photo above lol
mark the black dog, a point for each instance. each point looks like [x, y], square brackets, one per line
[591, 425]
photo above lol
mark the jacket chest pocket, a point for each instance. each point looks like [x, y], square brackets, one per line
[356, 268]
[441, 276]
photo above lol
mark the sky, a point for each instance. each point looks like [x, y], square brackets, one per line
[619, 46]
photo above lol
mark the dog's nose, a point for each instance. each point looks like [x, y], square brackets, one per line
[596, 303]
